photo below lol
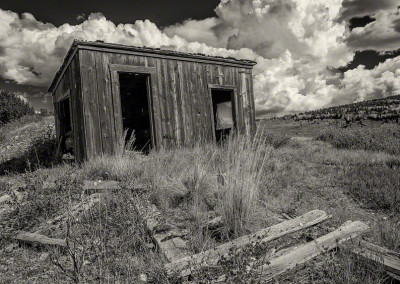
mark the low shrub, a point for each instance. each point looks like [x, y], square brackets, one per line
[12, 107]
[274, 139]
[384, 138]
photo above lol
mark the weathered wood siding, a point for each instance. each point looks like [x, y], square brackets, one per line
[71, 83]
[182, 109]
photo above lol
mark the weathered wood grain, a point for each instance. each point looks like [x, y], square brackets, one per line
[90, 102]
[166, 236]
[97, 186]
[180, 110]
[72, 213]
[303, 253]
[211, 257]
[389, 259]
[38, 239]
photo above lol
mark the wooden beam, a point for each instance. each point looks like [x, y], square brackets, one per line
[166, 237]
[72, 213]
[303, 253]
[212, 256]
[96, 186]
[38, 239]
[389, 259]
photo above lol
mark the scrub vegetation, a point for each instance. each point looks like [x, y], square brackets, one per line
[251, 182]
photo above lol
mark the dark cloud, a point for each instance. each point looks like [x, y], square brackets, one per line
[360, 22]
[396, 25]
[357, 8]
[370, 41]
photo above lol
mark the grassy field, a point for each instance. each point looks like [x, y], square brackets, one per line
[288, 168]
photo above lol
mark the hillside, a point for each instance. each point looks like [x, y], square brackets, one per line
[27, 141]
[378, 109]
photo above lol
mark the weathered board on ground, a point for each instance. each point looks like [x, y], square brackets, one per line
[72, 213]
[211, 257]
[96, 186]
[301, 254]
[167, 237]
[389, 259]
[38, 239]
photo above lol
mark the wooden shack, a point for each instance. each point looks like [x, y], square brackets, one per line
[165, 97]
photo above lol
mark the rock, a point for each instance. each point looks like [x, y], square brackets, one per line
[44, 256]
[10, 247]
[150, 245]
[143, 278]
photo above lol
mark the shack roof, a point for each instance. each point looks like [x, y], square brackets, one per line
[144, 51]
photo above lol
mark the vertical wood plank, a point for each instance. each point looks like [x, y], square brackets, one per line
[162, 102]
[173, 87]
[182, 104]
[250, 93]
[116, 100]
[91, 101]
[105, 104]
[155, 93]
[245, 102]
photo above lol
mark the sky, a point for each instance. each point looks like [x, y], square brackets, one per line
[310, 54]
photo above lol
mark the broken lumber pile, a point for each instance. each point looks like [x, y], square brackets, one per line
[301, 254]
[212, 256]
[389, 259]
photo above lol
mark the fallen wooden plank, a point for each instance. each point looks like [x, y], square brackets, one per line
[303, 253]
[212, 256]
[213, 225]
[38, 239]
[389, 259]
[71, 214]
[96, 186]
[166, 236]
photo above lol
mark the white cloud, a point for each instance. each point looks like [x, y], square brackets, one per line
[210, 31]
[295, 43]
[359, 8]
[382, 35]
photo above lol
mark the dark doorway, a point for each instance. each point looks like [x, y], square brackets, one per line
[224, 113]
[135, 109]
[64, 114]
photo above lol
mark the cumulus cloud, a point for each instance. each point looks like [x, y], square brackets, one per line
[359, 8]
[31, 51]
[297, 46]
[211, 31]
[382, 35]
[297, 42]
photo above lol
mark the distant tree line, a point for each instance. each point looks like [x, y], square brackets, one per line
[378, 109]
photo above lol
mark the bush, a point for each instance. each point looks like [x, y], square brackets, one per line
[12, 107]
[275, 139]
[384, 138]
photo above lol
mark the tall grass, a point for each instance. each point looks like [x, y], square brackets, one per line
[242, 169]
[384, 138]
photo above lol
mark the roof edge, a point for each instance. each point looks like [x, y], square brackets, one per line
[80, 44]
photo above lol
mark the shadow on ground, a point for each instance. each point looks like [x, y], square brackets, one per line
[40, 153]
